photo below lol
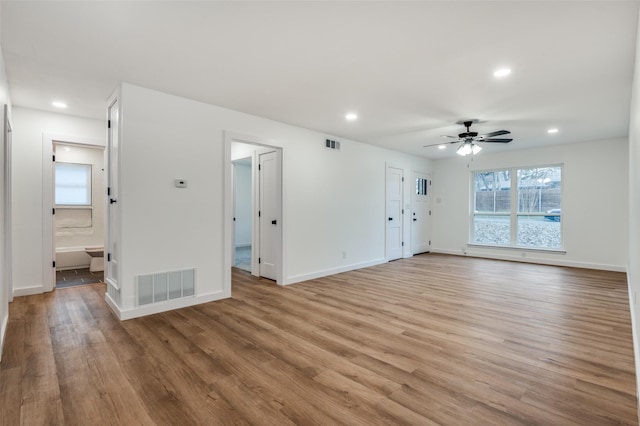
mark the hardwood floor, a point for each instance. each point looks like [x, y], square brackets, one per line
[429, 340]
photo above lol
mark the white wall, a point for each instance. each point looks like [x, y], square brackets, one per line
[595, 233]
[4, 285]
[243, 204]
[29, 126]
[333, 201]
[633, 268]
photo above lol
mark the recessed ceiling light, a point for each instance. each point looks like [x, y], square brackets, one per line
[554, 130]
[442, 147]
[59, 104]
[351, 116]
[502, 72]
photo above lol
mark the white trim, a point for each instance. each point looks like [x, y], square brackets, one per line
[634, 332]
[539, 261]
[7, 202]
[155, 308]
[48, 244]
[3, 333]
[28, 291]
[533, 249]
[326, 272]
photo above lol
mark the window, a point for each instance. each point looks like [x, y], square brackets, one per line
[73, 184]
[522, 212]
[421, 186]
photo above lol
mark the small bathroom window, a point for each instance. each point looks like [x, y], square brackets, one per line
[73, 184]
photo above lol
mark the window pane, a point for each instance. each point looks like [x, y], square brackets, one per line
[537, 231]
[421, 186]
[492, 192]
[491, 220]
[539, 189]
[73, 184]
[492, 229]
[539, 193]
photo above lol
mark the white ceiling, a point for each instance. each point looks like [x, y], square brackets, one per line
[410, 70]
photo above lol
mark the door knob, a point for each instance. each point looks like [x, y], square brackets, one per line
[390, 218]
[274, 222]
[415, 220]
[111, 201]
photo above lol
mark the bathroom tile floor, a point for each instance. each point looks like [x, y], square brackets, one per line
[73, 277]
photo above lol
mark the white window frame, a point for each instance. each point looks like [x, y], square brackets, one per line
[514, 212]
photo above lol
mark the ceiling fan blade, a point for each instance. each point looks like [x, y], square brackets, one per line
[447, 136]
[442, 143]
[497, 140]
[496, 133]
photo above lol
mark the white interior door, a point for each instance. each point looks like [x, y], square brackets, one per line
[420, 214]
[113, 146]
[269, 214]
[395, 179]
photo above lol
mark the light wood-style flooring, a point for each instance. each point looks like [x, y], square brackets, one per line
[429, 340]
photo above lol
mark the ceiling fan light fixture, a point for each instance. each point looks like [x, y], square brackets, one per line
[465, 149]
[475, 148]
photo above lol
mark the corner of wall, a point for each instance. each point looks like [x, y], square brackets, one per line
[3, 332]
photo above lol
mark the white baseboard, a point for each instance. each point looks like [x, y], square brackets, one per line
[156, 308]
[634, 332]
[327, 272]
[3, 332]
[531, 259]
[28, 291]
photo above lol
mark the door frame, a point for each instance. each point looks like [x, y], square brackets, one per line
[6, 202]
[229, 248]
[48, 241]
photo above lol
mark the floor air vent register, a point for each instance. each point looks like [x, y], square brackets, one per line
[163, 286]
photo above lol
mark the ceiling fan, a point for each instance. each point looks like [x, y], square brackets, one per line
[469, 139]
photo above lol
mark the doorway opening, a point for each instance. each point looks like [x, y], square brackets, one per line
[79, 214]
[255, 207]
[74, 217]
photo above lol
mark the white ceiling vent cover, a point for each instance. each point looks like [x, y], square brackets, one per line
[331, 144]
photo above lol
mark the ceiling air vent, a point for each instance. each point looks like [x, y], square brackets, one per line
[328, 143]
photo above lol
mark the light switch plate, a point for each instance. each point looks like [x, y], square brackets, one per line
[181, 183]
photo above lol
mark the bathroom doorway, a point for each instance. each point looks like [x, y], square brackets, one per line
[79, 219]
[74, 216]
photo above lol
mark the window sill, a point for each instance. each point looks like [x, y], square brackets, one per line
[531, 249]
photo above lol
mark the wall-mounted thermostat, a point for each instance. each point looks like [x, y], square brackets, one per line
[181, 183]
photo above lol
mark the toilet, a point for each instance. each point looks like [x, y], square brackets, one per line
[97, 258]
